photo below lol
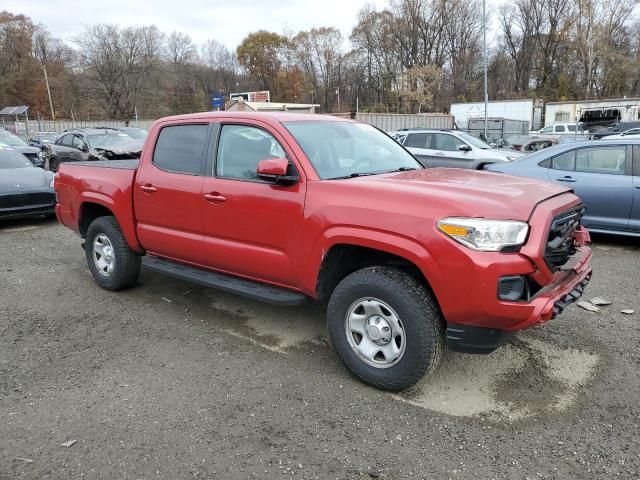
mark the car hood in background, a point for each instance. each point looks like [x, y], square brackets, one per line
[14, 180]
[129, 146]
[26, 149]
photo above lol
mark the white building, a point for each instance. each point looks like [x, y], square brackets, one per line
[239, 105]
[593, 111]
[527, 110]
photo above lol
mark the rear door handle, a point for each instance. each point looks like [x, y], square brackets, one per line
[214, 197]
[441, 154]
[148, 188]
[566, 179]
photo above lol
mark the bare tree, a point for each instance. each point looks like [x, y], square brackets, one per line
[118, 63]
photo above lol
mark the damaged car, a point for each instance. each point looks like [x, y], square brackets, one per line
[89, 144]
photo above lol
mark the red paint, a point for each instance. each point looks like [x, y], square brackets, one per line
[280, 234]
[273, 166]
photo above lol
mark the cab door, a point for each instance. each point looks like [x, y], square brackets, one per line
[252, 227]
[448, 153]
[167, 193]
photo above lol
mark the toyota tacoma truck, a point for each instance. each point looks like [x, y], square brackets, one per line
[284, 207]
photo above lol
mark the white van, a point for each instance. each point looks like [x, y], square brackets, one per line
[562, 129]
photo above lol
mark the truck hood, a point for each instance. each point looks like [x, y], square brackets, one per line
[468, 193]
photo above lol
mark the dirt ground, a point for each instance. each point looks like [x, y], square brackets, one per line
[170, 380]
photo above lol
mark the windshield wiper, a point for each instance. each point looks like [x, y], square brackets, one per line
[402, 169]
[354, 175]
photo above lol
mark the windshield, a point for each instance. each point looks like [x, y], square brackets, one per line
[346, 149]
[476, 142]
[137, 133]
[108, 140]
[12, 140]
[44, 137]
[11, 159]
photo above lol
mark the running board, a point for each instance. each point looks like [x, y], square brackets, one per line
[226, 283]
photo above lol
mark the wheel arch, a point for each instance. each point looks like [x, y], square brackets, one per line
[344, 253]
[94, 205]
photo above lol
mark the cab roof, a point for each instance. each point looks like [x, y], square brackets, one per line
[279, 117]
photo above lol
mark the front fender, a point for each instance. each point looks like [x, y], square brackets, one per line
[388, 242]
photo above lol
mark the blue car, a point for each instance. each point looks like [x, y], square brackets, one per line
[604, 173]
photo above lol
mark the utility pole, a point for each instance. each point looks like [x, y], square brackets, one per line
[46, 80]
[484, 54]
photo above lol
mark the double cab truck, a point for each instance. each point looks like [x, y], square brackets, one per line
[285, 207]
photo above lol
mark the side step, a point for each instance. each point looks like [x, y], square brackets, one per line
[226, 283]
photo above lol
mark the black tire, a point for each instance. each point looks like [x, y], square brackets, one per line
[419, 315]
[127, 262]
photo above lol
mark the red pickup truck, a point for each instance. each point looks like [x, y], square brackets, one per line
[283, 207]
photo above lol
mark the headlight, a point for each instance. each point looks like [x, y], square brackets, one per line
[53, 182]
[511, 158]
[485, 235]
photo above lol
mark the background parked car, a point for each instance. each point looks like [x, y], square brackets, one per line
[604, 173]
[34, 154]
[453, 148]
[92, 144]
[530, 143]
[25, 190]
[562, 129]
[614, 129]
[39, 139]
[573, 138]
[631, 133]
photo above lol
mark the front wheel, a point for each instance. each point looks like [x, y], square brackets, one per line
[385, 327]
[112, 263]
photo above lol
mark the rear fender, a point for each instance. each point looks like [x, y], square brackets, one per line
[123, 215]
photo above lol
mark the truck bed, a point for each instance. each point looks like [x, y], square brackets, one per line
[120, 164]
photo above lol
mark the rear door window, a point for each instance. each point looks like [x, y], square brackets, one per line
[418, 140]
[564, 161]
[610, 160]
[66, 140]
[180, 149]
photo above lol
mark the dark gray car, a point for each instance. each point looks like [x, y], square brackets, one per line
[25, 190]
[34, 154]
[604, 173]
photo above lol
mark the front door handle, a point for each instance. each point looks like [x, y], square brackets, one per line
[214, 197]
[148, 188]
[441, 154]
[566, 179]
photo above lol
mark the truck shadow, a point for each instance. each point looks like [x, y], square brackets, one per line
[529, 376]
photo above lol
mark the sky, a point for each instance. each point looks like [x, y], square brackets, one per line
[223, 20]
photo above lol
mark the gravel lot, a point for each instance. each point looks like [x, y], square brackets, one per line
[170, 380]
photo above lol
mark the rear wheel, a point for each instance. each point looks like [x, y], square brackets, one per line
[112, 263]
[385, 327]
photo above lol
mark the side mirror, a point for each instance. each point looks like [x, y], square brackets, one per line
[464, 148]
[275, 170]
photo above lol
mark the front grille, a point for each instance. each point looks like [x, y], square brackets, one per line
[560, 243]
[27, 200]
